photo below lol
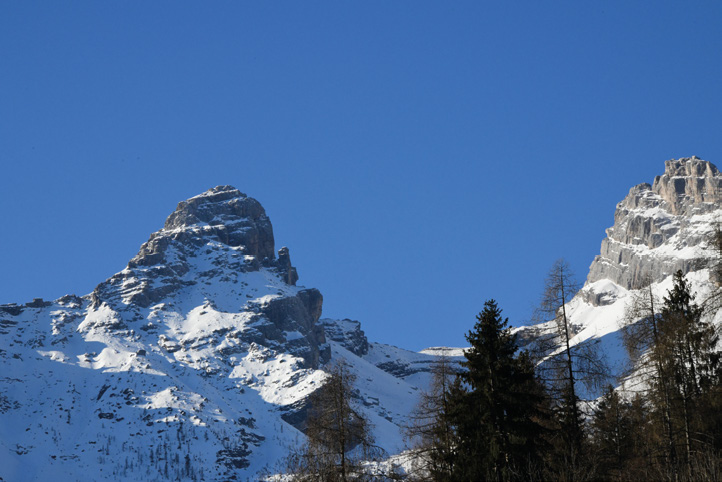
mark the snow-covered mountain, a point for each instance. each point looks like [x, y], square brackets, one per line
[194, 362]
[658, 229]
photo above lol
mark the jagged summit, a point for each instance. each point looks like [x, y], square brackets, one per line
[216, 249]
[662, 227]
[222, 214]
[689, 166]
[219, 205]
[218, 234]
[689, 184]
[659, 228]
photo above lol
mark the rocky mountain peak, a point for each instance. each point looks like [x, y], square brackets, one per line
[689, 184]
[662, 227]
[223, 215]
[218, 235]
[222, 203]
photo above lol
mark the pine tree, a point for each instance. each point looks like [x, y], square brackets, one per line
[650, 361]
[689, 344]
[612, 436]
[497, 413]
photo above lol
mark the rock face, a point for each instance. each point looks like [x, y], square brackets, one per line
[220, 237]
[689, 186]
[661, 228]
[347, 333]
[232, 217]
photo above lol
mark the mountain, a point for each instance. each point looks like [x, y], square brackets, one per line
[658, 229]
[194, 362]
[661, 228]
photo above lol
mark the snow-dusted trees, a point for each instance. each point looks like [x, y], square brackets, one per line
[338, 435]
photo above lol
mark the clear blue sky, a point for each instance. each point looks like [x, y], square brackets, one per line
[417, 157]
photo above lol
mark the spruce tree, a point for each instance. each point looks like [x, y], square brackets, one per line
[690, 346]
[674, 351]
[650, 363]
[498, 413]
[611, 432]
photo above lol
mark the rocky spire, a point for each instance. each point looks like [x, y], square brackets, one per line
[662, 227]
[222, 217]
[209, 252]
[224, 214]
[689, 184]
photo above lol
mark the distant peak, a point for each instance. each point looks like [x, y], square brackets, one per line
[661, 228]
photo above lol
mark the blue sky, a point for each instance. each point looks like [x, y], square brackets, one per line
[417, 157]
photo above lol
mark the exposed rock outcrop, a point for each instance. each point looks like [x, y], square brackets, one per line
[288, 272]
[689, 186]
[662, 227]
[217, 238]
[348, 333]
[228, 214]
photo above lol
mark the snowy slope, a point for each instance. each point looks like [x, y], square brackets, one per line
[194, 362]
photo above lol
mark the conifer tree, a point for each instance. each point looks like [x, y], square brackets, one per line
[674, 351]
[650, 361]
[611, 431]
[690, 345]
[622, 439]
[498, 412]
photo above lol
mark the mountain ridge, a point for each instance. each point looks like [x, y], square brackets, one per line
[197, 359]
